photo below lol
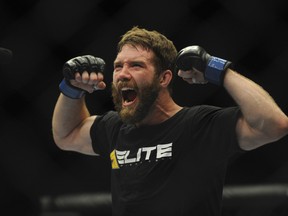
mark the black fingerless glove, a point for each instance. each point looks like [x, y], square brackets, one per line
[75, 65]
[214, 68]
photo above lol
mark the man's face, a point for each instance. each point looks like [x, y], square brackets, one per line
[135, 86]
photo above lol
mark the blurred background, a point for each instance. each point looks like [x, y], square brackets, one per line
[44, 34]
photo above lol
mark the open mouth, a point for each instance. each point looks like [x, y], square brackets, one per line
[129, 95]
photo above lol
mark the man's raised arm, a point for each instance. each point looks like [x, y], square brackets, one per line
[261, 122]
[71, 120]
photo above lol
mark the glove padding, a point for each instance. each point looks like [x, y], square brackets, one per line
[80, 64]
[75, 65]
[214, 68]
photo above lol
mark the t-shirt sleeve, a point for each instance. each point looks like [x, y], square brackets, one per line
[103, 131]
[216, 129]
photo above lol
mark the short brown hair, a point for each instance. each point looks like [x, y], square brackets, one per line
[163, 48]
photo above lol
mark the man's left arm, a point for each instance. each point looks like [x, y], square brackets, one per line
[262, 121]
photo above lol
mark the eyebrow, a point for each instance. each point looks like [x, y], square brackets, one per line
[130, 61]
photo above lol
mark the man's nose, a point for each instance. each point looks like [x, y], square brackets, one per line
[124, 74]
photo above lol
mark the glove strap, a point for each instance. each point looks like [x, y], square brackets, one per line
[69, 91]
[215, 70]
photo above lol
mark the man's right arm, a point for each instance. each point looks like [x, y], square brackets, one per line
[71, 125]
[71, 120]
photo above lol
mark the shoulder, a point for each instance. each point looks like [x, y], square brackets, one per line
[209, 114]
[212, 110]
[107, 119]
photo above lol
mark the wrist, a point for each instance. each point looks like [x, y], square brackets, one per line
[70, 91]
[216, 70]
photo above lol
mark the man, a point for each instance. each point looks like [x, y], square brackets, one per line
[165, 159]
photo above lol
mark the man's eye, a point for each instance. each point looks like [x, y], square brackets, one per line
[117, 67]
[137, 65]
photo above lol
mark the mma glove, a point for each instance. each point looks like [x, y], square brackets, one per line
[75, 65]
[212, 67]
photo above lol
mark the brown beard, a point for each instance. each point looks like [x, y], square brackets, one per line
[147, 95]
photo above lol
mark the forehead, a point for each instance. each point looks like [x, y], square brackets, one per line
[130, 52]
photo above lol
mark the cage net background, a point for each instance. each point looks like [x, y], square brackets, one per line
[44, 34]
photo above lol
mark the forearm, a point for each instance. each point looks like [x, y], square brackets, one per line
[68, 114]
[259, 110]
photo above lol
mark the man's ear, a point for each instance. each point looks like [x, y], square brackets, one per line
[165, 78]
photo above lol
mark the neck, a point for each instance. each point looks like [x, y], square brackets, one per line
[163, 109]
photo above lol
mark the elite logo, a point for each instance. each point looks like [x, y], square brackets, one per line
[160, 151]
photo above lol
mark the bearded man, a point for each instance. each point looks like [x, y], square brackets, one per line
[165, 159]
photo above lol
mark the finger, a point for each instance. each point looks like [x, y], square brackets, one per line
[189, 80]
[93, 80]
[76, 83]
[101, 85]
[185, 74]
[85, 77]
[100, 76]
[78, 77]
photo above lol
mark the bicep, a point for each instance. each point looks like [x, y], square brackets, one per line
[249, 138]
[79, 140]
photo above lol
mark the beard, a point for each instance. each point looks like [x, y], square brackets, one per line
[147, 96]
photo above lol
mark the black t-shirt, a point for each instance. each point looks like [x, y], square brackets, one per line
[174, 168]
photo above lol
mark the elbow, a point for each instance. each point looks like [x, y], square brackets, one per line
[265, 135]
[283, 127]
[279, 130]
[60, 142]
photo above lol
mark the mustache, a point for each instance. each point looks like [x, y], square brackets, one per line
[125, 84]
